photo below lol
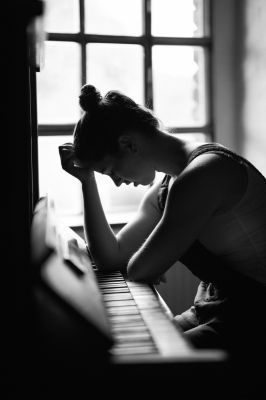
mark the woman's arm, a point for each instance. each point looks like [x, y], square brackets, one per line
[196, 194]
[108, 250]
[112, 251]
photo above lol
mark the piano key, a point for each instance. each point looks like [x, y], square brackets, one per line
[117, 327]
[134, 344]
[134, 351]
[124, 311]
[133, 337]
[120, 303]
[112, 281]
[113, 285]
[120, 296]
[115, 290]
[109, 273]
[128, 328]
[129, 320]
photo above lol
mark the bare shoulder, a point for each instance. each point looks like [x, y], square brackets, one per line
[218, 165]
[212, 172]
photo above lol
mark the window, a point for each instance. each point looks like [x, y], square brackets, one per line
[156, 51]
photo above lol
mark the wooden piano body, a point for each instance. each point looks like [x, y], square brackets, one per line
[94, 327]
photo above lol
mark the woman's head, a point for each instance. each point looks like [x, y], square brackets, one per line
[104, 136]
[105, 120]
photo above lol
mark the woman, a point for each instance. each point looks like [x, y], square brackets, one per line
[209, 212]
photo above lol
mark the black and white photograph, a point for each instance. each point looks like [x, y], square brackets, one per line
[134, 189]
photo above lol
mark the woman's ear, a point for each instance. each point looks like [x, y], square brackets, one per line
[128, 143]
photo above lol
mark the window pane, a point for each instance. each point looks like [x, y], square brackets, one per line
[118, 202]
[62, 16]
[116, 17]
[179, 85]
[182, 18]
[65, 188]
[116, 67]
[58, 84]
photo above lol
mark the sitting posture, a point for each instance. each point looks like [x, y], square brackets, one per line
[209, 212]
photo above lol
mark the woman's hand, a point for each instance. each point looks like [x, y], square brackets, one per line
[71, 165]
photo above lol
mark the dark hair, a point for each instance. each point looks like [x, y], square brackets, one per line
[105, 119]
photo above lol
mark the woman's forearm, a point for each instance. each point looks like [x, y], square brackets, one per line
[100, 237]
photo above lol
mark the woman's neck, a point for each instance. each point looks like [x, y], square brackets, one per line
[169, 154]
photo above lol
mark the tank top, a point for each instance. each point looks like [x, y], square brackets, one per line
[232, 246]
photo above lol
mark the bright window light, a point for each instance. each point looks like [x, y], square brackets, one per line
[107, 43]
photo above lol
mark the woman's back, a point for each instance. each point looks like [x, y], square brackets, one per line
[237, 235]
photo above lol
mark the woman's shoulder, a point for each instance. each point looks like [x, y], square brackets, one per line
[215, 171]
[214, 158]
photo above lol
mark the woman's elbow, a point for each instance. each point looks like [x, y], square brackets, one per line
[136, 272]
[132, 270]
[131, 273]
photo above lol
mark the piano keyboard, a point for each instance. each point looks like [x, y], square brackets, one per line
[130, 333]
[141, 323]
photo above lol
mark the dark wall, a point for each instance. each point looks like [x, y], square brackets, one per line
[17, 187]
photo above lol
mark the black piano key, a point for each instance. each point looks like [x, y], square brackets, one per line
[113, 286]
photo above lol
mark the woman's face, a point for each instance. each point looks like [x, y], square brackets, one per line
[127, 168]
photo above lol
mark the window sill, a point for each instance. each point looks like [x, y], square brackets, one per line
[76, 221]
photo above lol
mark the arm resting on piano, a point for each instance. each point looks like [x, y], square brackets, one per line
[110, 251]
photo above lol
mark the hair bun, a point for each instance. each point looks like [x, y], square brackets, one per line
[89, 97]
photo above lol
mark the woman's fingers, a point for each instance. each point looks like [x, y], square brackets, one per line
[66, 147]
[71, 164]
[68, 144]
[67, 158]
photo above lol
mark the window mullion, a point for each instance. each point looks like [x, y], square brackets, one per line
[83, 42]
[148, 87]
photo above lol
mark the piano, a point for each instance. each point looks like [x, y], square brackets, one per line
[92, 323]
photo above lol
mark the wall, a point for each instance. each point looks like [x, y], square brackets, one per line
[224, 73]
[253, 107]
[239, 77]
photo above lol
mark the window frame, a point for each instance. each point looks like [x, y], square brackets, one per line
[147, 41]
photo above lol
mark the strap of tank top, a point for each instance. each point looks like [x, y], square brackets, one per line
[215, 148]
[220, 149]
[205, 148]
